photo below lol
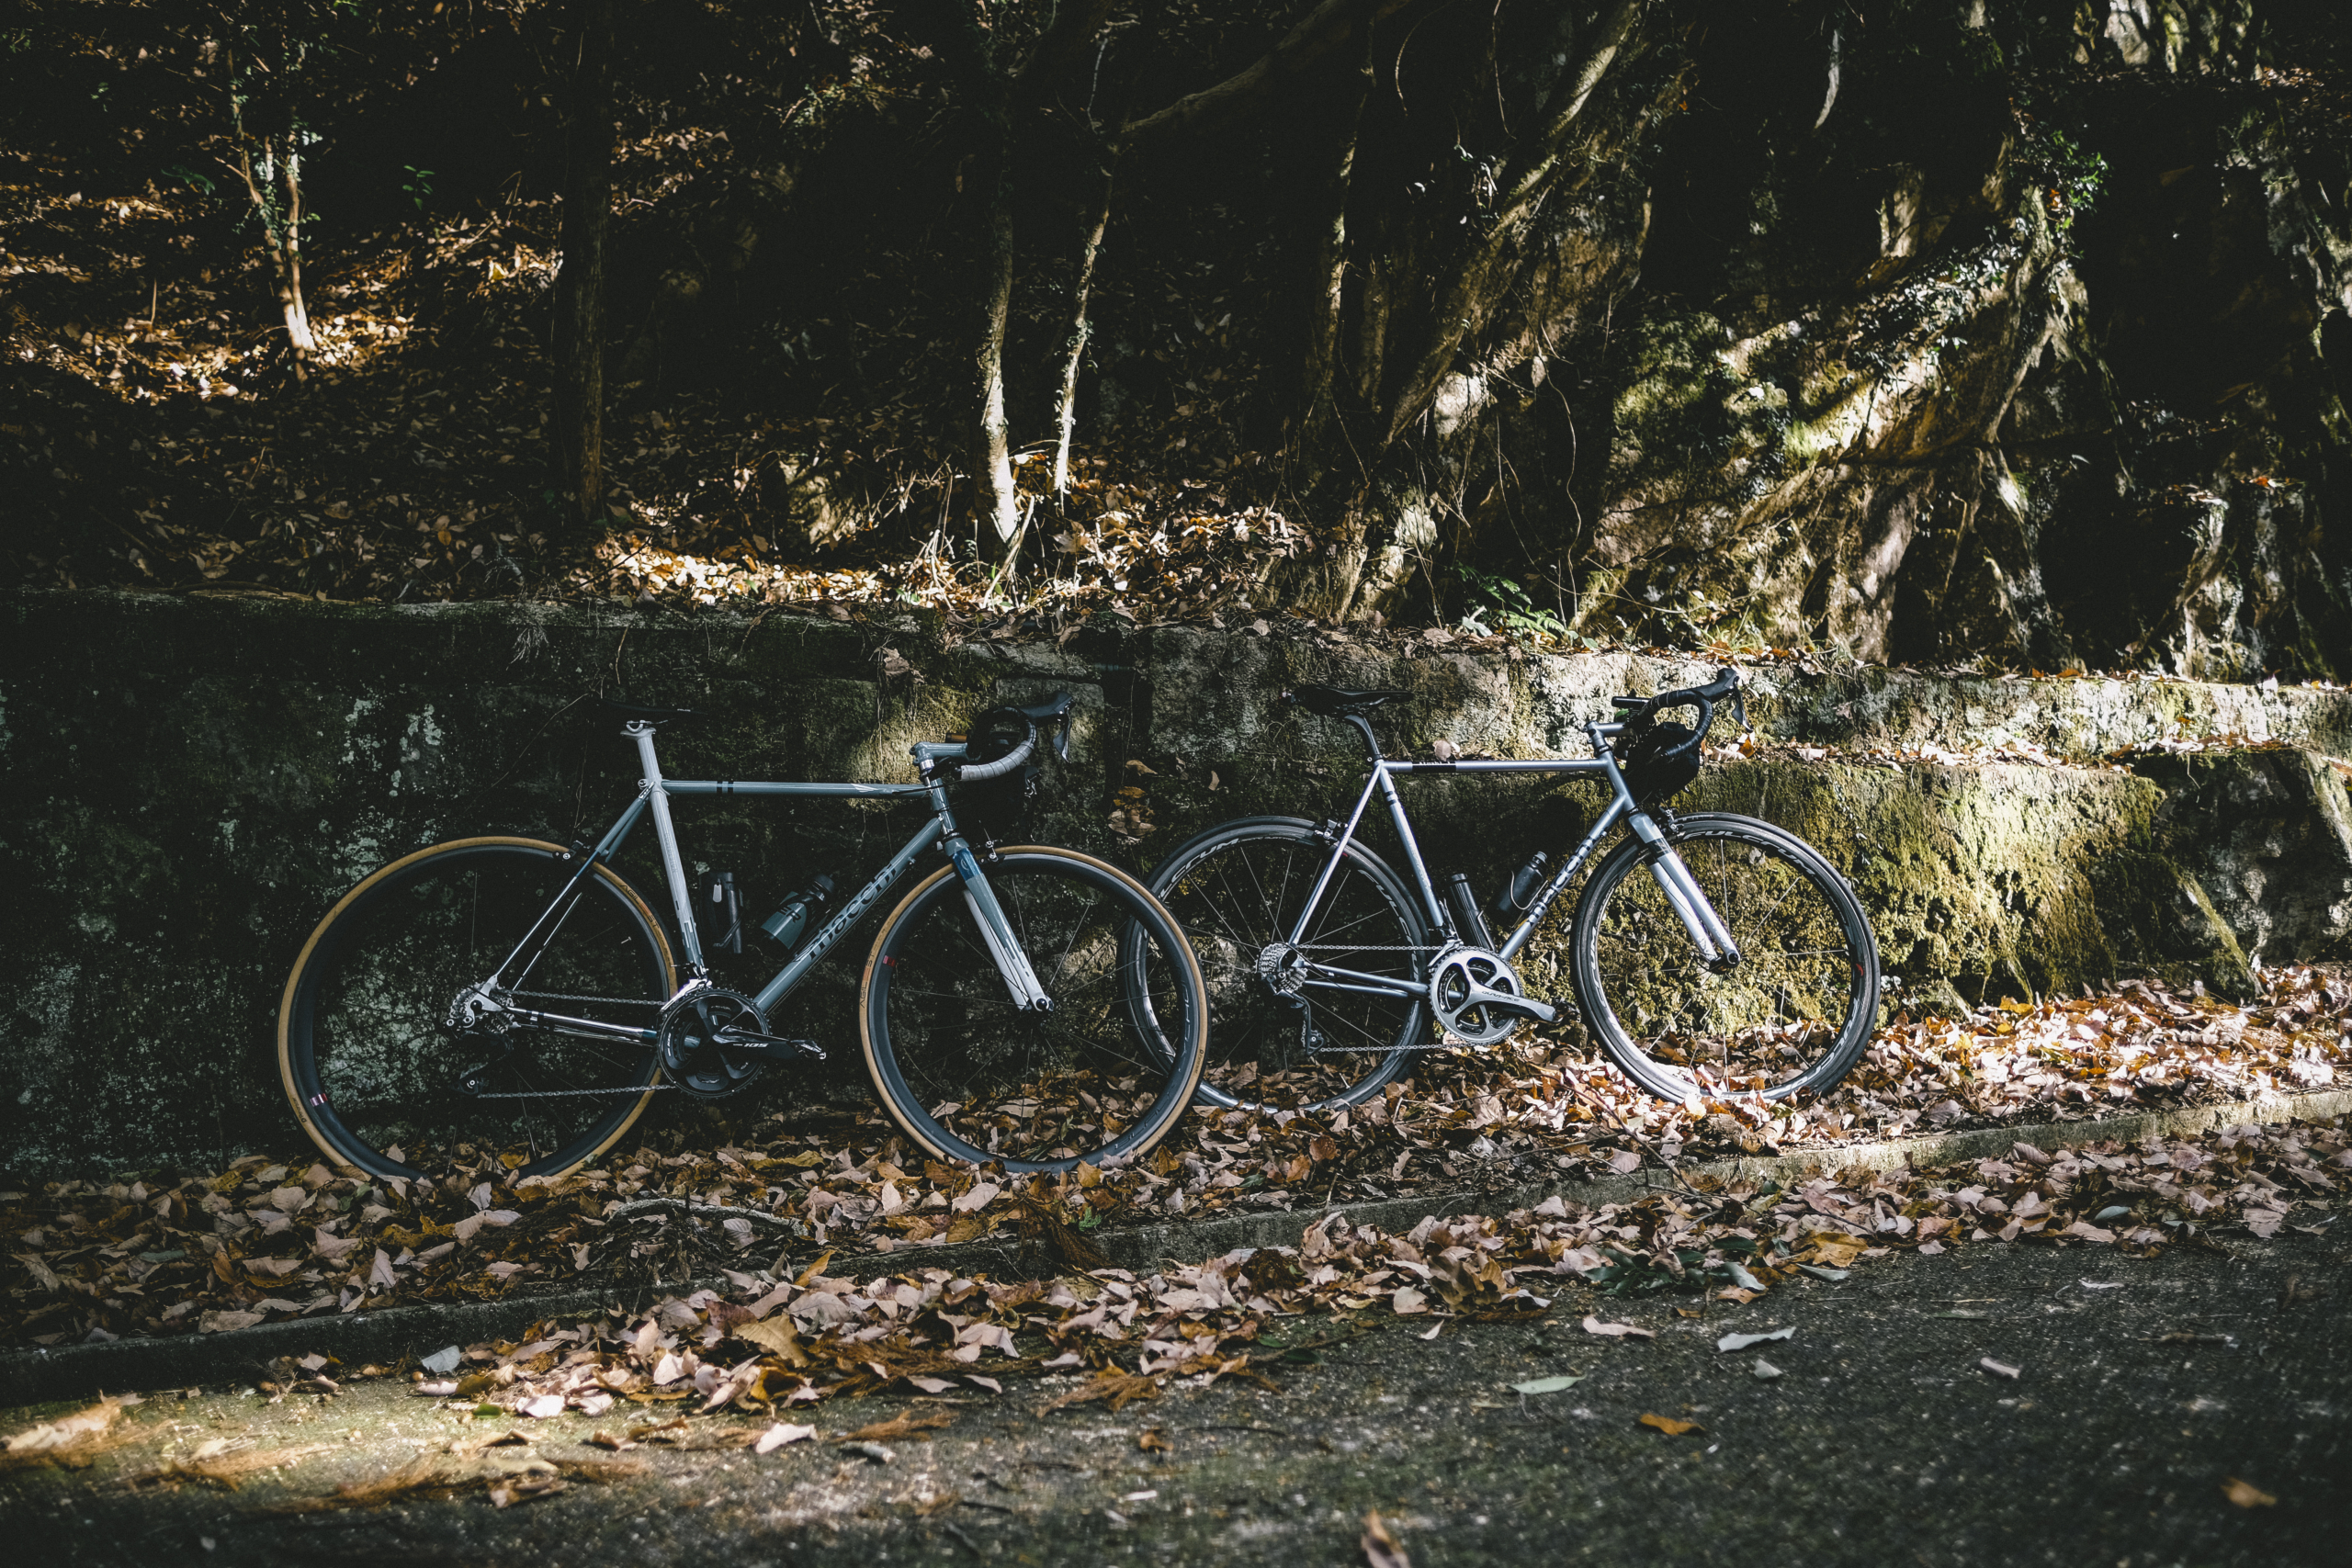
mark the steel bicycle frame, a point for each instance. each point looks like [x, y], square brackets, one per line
[654, 795]
[1681, 889]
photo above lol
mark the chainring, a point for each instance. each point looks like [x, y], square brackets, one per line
[689, 1041]
[1454, 980]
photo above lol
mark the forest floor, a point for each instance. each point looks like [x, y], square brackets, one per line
[153, 436]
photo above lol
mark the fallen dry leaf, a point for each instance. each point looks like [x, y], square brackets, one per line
[1669, 1425]
[1381, 1548]
[2246, 1495]
[1119, 1388]
[910, 1424]
[1154, 1441]
[780, 1433]
[1617, 1330]
[76, 1430]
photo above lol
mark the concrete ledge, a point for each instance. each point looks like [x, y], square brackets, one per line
[191, 783]
[73, 1371]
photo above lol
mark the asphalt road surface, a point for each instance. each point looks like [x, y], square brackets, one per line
[2145, 1394]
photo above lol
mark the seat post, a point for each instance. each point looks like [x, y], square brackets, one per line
[1363, 727]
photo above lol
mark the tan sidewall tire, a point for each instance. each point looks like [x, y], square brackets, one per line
[294, 981]
[873, 957]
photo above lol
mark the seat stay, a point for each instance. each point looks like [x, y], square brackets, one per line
[1330, 865]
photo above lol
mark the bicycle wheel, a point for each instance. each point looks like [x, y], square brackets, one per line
[1793, 1014]
[968, 1076]
[1236, 891]
[381, 1082]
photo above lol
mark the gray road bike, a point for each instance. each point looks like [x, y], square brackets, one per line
[1028, 1005]
[1710, 954]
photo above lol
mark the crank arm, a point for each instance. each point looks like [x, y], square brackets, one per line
[1503, 1001]
[772, 1046]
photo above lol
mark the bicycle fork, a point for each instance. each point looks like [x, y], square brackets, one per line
[996, 930]
[1708, 934]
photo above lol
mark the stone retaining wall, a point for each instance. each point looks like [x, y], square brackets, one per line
[187, 783]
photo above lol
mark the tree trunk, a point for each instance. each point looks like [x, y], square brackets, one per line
[578, 455]
[1080, 330]
[286, 247]
[992, 445]
[1327, 282]
[261, 167]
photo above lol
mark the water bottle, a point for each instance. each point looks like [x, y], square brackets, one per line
[788, 924]
[1512, 898]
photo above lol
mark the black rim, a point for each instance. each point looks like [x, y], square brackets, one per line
[378, 1072]
[1791, 1017]
[970, 1073]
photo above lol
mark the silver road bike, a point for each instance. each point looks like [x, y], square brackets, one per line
[1710, 955]
[505, 997]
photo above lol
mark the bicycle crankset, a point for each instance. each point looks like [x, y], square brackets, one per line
[1476, 998]
[714, 1043]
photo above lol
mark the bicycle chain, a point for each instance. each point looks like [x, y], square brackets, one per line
[1356, 947]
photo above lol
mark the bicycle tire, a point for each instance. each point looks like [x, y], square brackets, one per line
[1235, 891]
[1794, 1015]
[969, 1076]
[362, 1049]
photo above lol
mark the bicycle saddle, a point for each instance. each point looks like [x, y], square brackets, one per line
[630, 713]
[1336, 702]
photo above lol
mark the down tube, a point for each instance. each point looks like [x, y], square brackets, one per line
[816, 947]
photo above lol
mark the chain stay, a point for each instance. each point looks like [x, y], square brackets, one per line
[570, 1093]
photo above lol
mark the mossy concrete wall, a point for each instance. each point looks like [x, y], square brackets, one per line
[188, 784]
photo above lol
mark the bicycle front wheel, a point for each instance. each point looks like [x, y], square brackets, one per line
[969, 1075]
[385, 1086]
[1277, 1038]
[1793, 1012]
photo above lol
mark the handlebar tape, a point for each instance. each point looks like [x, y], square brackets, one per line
[978, 772]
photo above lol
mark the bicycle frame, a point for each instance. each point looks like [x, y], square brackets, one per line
[654, 795]
[1682, 892]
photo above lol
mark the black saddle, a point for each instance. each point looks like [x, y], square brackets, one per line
[631, 713]
[1338, 702]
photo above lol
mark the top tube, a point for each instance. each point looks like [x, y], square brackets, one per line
[776, 787]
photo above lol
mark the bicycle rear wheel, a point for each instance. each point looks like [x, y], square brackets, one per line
[384, 1086]
[1237, 891]
[968, 1076]
[1793, 1014]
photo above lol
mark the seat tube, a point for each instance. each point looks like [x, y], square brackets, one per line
[681, 897]
[1440, 915]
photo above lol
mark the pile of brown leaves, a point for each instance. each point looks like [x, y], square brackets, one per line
[267, 1239]
[769, 1345]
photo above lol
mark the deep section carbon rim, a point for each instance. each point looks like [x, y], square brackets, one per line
[1106, 1072]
